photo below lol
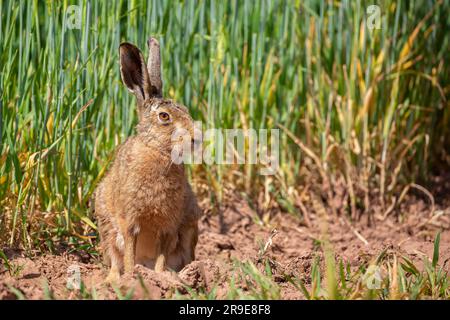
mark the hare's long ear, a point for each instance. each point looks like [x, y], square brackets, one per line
[154, 67]
[134, 72]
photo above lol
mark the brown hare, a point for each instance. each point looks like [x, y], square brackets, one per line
[146, 210]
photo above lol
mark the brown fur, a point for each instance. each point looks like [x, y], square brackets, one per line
[146, 209]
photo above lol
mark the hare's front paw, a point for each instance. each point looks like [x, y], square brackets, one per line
[160, 264]
[129, 255]
[128, 266]
[113, 277]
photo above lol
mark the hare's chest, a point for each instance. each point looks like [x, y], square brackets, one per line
[160, 202]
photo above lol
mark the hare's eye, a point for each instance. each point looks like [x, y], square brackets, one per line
[163, 116]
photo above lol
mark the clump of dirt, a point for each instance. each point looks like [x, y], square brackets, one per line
[234, 234]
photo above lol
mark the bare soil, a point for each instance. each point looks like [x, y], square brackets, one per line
[235, 233]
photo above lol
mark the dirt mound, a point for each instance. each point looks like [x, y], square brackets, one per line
[234, 235]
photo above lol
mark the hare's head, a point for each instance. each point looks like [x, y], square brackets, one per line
[159, 119]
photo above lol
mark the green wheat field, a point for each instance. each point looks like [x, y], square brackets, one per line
[365, 108]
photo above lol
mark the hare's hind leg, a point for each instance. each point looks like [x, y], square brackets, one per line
[184, 252]
[111, 246]
[114, 253]
[166, 244]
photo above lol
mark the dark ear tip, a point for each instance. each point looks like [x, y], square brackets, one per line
[129, 49]
[126, 45]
